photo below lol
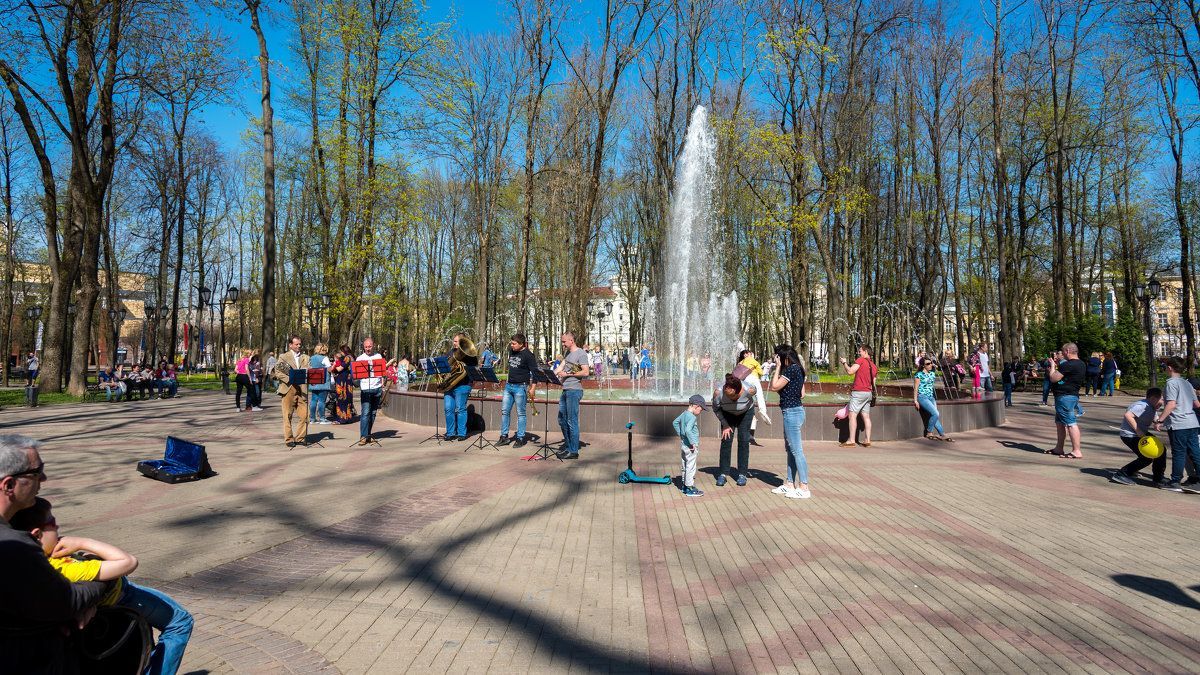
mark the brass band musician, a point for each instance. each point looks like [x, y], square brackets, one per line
[574, 367]
[455, 386]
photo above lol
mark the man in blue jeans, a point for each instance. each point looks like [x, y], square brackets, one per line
[1183, 428]
[370, 394]
[454, 401]
[1067, 377]
[1046, 364]
[574, 367]
[518, 388]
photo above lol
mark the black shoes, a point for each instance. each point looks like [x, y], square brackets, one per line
[564, 454]
[504, 440]
[519, 442]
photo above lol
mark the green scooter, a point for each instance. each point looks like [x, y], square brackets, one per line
[628, 476]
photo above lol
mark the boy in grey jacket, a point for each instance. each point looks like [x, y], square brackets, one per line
[689, 438]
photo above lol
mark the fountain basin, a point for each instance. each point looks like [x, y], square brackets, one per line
[889, 420]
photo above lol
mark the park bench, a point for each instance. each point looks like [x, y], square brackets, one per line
[94, 391]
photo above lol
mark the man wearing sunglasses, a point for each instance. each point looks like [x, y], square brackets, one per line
[36, 602]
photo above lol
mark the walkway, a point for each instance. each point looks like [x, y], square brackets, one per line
[918, 556]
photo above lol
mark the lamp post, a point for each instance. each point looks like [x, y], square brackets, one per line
[1148, 293]
[151, 315]
[117, 317]
[32, 313]
[158, 315]
[310, 302]
[231, 296]
[70, 341]
[326, 301]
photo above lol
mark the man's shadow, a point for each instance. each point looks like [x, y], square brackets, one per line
[1027, 447]
[1158, 588]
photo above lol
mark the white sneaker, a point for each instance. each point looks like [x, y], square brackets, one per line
[797, 493]
[781, 490]
[256, 409]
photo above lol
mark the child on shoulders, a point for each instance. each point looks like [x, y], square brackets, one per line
[173, 621]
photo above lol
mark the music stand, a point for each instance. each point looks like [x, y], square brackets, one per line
[299, 377]
[544, 376]
[435, 365]
[362, 370]
[479, 374]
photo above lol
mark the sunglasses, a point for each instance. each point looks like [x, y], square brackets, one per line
[38, 471]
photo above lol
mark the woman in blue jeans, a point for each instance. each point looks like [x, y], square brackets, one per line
[318, 394]
[787, 378]
[923, 399]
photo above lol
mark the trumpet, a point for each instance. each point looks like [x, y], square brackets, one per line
[533, 406]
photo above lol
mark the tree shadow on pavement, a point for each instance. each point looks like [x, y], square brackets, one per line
[424, 565]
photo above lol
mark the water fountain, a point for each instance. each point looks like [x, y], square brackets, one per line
[698, 313]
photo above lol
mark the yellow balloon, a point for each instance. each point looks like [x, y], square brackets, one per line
[1150, 447]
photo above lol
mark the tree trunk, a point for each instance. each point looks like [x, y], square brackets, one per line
[268, 123]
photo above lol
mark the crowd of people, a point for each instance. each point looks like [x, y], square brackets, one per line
[140, 382]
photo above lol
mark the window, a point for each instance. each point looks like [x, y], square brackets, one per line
[1162, 320]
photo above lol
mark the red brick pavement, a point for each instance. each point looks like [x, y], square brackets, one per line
[984, 555]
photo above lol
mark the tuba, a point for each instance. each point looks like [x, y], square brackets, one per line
[464, 355]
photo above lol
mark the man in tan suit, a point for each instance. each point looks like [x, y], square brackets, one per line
[295, 396]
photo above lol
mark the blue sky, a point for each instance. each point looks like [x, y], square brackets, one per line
[228, 121]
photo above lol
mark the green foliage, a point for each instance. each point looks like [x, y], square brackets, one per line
[1090, 335]
[1041, 337]
[1128, 347]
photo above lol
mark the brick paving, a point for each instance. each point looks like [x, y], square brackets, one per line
[914, 556]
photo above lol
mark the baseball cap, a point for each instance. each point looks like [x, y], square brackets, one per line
[697, 399]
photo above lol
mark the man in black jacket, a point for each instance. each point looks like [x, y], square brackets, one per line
[38, 606]
[517, 389]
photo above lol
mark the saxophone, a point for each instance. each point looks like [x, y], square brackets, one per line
[464, 355]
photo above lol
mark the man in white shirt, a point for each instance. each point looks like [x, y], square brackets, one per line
[370, 391]
[985, 369]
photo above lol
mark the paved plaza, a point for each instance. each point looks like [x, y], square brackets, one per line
[980, 556]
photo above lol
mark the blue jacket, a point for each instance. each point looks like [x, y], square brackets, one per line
[687, 428]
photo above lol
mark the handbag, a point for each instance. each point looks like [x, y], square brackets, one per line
[741, 372]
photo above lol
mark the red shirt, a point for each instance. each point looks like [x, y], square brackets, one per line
[864, 375]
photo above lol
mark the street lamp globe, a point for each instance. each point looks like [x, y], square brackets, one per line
[1154, 288]
[326, 300]
[608, 307]
[231, 294]
[205, 294]
[308, 301]
[112, 315]
[1139, 290]
[164, 311]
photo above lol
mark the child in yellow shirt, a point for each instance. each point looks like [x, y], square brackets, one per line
[172, 620]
